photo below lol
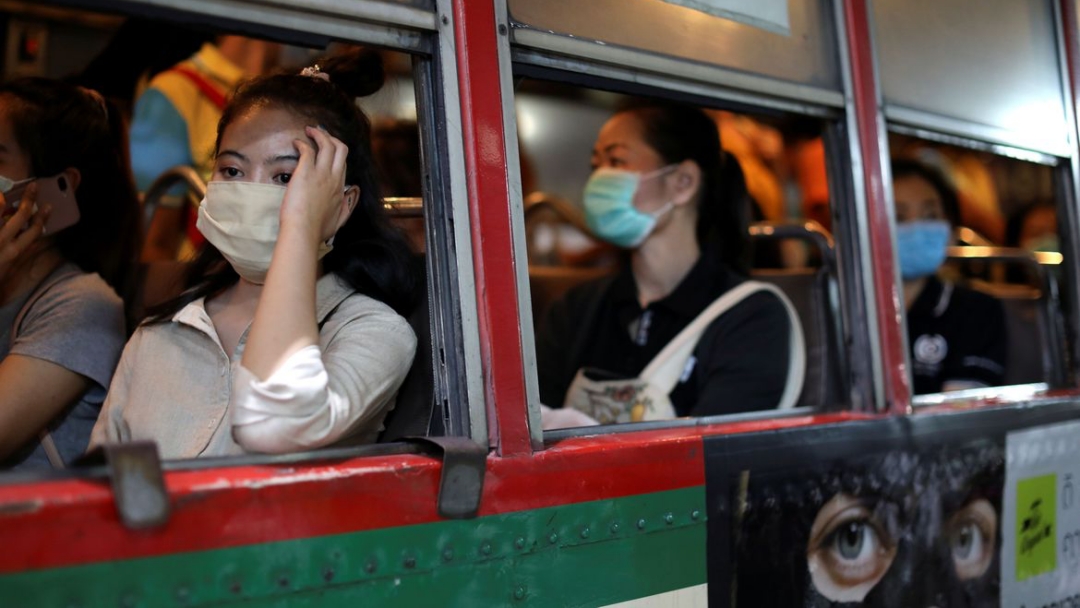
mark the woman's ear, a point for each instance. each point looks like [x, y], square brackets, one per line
[73, 177]
[349, 200]
[684, 182]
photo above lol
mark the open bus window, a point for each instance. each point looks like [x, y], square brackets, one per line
[596, 342]
[988, 313]
[124, 58]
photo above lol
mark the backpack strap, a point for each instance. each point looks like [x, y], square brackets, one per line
[208, 90]
[58, 276]
[664, 371]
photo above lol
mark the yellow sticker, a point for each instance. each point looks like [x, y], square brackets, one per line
[1036, 533]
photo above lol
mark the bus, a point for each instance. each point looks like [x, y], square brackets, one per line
[864, 493]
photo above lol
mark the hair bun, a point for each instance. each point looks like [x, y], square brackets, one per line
[356, 70]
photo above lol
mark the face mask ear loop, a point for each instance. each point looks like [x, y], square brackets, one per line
[661, 212]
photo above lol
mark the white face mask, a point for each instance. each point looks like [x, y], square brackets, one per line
[242, 220]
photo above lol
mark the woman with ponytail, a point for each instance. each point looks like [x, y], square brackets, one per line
[290, 335]
[663, 190]
[67, 246]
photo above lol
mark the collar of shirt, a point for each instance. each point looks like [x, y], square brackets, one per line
[211, 62]
[934, 298]
[705, 282]
[330, 291]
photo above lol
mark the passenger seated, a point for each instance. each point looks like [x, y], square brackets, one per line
[290, 335]
[956, 335]
[64, 255]
[662, 190]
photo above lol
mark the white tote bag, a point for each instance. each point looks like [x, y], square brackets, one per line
[647, 396]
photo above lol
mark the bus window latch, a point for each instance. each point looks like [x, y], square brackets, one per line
[464, 463]
[137, 482]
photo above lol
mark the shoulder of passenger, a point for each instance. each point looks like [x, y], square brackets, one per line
[85, 290]
[968, 300]
[359, 309]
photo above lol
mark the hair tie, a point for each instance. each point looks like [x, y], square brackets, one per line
[315, 72]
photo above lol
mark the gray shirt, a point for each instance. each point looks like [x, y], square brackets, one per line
[78, 324]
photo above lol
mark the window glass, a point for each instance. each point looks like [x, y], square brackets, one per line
[806, 56]
[990, 314]
[992, 65]
[588, 231]
[127, 61]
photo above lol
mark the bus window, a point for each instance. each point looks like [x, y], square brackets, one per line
[593, 331]
[986, 312]
[207, 65]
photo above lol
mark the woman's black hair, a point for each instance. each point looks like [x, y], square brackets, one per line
[680, 132]
[370, 254]
[61, 126]
[950, 203]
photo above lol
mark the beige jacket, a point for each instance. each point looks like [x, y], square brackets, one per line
[176, 386]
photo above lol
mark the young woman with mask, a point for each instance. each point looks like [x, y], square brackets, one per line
[289, 336]
[956, 335]
[64, 255]
[663, 190]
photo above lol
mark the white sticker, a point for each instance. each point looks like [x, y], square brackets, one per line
[1040, 550]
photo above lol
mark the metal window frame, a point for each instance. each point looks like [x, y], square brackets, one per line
[458, 373]
[587, 64]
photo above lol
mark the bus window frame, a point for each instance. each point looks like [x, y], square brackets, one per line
[1066, 167]
[458, 378]
[856, 284]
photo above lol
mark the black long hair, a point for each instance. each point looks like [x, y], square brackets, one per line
[370, 254]
[679, 132]
[60, 126]
[950, 202]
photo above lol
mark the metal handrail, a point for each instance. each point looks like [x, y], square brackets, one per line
[539, 201]
[165, 182]
[805, 230]
[404, 206]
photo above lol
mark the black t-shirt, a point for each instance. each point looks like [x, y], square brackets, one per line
[740, 364]
[955, 335]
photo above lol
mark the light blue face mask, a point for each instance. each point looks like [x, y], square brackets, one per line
[921, 246]
[609, 207]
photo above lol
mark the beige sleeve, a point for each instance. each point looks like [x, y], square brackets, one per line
[318, 397]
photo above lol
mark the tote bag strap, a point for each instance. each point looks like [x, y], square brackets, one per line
[664, 371]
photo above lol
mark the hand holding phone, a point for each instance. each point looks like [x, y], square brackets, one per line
[20, 230]
[55, 192]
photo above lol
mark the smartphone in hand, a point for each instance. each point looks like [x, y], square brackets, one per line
[55, 191]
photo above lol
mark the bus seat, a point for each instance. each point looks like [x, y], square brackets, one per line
[414, 412]
[808, 290]
[1035, 354]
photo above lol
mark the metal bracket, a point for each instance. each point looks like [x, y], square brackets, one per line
[137, 482]
[464, 464]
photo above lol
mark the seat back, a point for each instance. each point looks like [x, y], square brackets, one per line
[810, 294]
[414, 412]
[1035, 351]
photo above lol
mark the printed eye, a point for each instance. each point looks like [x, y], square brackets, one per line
[972, 535]
[849, 550]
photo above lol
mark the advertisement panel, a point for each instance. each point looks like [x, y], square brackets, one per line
[892, 512]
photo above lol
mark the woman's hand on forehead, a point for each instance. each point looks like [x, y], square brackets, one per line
[314, 195]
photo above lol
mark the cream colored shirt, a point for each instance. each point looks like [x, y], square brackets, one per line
[175, 384]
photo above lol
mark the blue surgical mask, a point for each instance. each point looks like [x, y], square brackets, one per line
[921, 246]
[609, 207]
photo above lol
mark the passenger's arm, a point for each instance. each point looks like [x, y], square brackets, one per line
[310, 214]
[745, 358]
[316, 398]
[32, 393]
